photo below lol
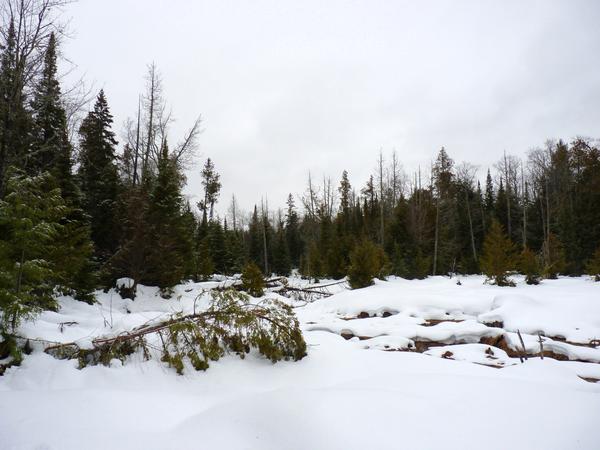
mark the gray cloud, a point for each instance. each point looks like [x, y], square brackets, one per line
[288, 87]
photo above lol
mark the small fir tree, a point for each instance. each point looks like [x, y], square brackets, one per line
[498, 256]
[367, 261]
[30, 222]
[554, 257]
[252, 280]
[529, 266]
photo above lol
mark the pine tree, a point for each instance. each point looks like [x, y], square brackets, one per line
[51, 152]
[252, 280]
[170, 239]
[367, 261]
[255, 238]
[30, 222]
[99, 176]
[130, 259]
[15, 120]
[498, 255]
[217, 247]
[206, 267]
[212, 187]
[51, 147]
[554, 257]
[529, 266]
[489, 200]
[292, 232]
[234, 240]
[281, 255]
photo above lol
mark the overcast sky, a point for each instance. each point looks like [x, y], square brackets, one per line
[286, 87]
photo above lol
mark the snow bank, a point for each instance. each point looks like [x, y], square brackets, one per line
[347, 394]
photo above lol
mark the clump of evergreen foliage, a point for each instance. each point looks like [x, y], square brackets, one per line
[529, 266]
[367, 261]
[232, 324]
[253, 281]
[498, 257]
[554, 257]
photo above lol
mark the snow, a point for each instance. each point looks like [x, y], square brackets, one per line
[347, 393]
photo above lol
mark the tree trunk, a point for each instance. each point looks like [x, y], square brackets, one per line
[437, 227]
[471, 226]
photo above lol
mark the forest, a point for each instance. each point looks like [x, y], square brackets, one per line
[160, 288]
[79, 210]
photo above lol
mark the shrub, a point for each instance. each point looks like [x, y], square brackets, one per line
[367, 261]
[498, 256]
[252, 280]
[529, 266]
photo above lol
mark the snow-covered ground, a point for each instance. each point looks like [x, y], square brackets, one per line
[362, 385]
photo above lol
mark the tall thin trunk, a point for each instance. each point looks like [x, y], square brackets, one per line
[381, 199]
[525, 200]
[471, 226]
[437, 228]
[264, 233]
[507, 195]
[149, 137]
[137, 144]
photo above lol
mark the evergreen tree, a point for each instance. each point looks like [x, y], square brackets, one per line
[255, 237]
[489, 200]
[446, 221]
[15, 120]
[252, 280]
[367, 261]
[206, 267]
[235, 247]
[212, 187]
[529, 266]
[131, 257]
[554, 257]
[217, 247]
[99, 176]
[30, 222]
[498, 255]
[51, 149]
[51, 152]
[170, 239]
[281, 256]
[292, 232]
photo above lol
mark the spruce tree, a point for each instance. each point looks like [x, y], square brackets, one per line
[51, 149]
[217, 247]
[51, 152]
[212, 187]
[99, 176]
[498, 257]
[281, 256]
[529, 266]
[367, 261]
[15, 120]
[170, 238]
[554, 257]
[292, 232]
[252, 280]
[234, 240]
[30, 222]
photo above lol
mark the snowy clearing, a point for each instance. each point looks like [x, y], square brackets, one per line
[402, 364]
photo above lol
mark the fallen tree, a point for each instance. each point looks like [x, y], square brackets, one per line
[230, 324]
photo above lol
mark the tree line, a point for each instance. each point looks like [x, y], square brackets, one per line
[78, 211]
